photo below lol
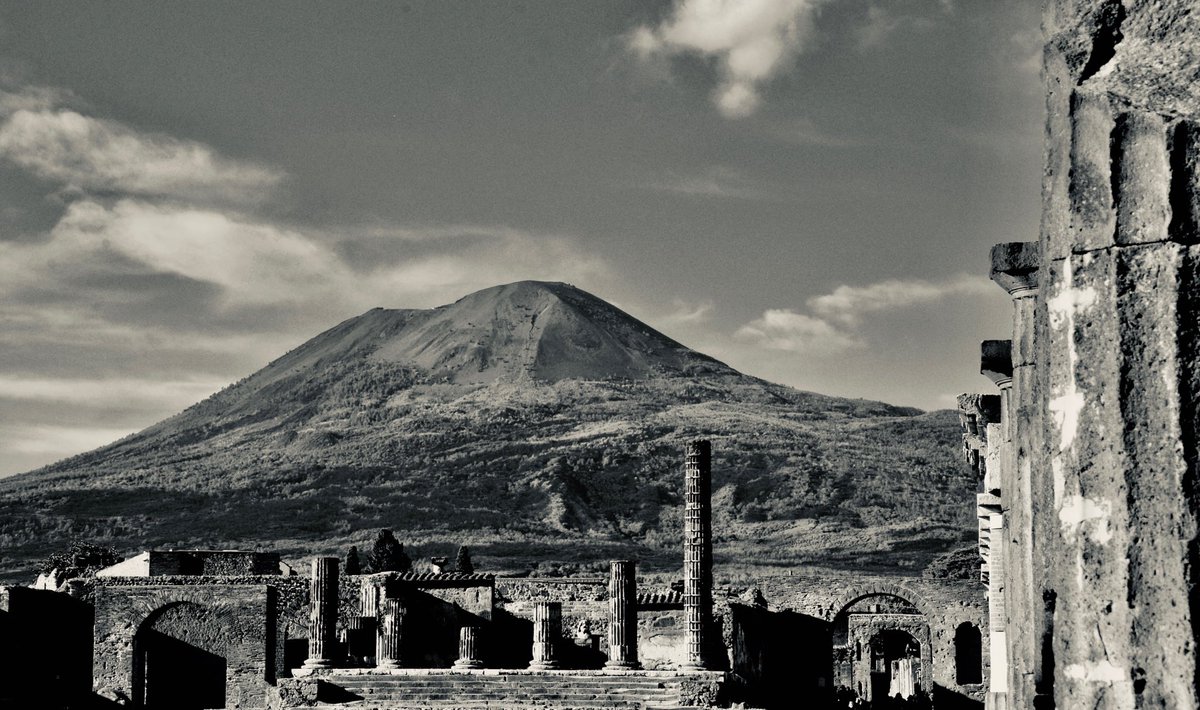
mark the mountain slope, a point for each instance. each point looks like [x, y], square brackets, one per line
[523, 419]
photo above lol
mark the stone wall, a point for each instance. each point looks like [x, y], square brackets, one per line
[231, 623]
[1101, 495]
[793, 625]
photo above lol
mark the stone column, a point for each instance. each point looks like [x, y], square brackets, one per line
[697, 551]
[547, 629]
[622, 615]
[1118, 355]
[390, 635]
[996, 364]
[468, 648]
[1015, 268]
[323, 613]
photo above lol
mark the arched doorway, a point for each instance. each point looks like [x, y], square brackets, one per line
[179, 659]
[895, 664]
[881, 644]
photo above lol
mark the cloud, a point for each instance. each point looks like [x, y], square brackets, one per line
[687, 313]
[783, 329]
[833, 323]
[90, 154]
[849, 304]
[128, 391]
[717, 181]
[57, 441]
[752, 41]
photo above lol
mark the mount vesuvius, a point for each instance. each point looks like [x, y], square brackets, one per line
[532, 421]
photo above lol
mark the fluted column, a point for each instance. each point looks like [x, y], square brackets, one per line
[323, 612]
[622, 615]
[468, 648]
[547, 629]
[390, 637]
[697, 550]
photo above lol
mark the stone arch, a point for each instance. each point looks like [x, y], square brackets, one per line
[968, 654]
[180, 652]
[859, 592]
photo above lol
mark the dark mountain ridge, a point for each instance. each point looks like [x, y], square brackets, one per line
[525, 418]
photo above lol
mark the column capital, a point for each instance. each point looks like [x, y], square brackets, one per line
[995, 362]
[1015, 267]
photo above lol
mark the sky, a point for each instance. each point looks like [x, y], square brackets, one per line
[804, 189]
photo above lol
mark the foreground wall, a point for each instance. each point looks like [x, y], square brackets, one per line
[1101, 494]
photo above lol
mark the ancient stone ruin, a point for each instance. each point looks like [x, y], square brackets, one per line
[1087, 462]
[185, 629]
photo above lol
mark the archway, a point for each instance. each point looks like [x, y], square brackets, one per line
[179, 659]
[895, 664]
[882, 643]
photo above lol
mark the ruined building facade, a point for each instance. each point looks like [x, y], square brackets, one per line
[1088, 454]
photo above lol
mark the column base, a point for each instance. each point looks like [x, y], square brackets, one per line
[692, 667]
[467, 665]
[545, 666]
[623, 665]
[388, 665]
[318, 663]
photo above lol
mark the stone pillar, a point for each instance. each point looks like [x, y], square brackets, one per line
[622, 615]
[996, 364]
[1015, 268]
[390, 625]
[468, 648]
[547, 629]
[323, 613]
[697, 551]
[1118, 355]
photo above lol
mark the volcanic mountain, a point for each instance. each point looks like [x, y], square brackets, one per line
[532, 421]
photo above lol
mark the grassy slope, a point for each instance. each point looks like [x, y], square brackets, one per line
[522, 473]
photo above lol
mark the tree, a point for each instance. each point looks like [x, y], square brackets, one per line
[353, 564]
[388, 555]
[462, 562]
[83, 559]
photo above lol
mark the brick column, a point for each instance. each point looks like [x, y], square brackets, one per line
[390, 625]
[622, 615]
[547, 629]
[468, 648]
[323, 613]
[697, 551]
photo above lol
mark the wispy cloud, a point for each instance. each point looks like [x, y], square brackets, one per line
[92, 154]
[834, 321]
[687, 312]
[752, 41]
[783, 329]
[849, 304]
[718, 181]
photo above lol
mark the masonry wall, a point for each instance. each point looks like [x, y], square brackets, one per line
[1111, 610]
[233, 622]
[801, 610]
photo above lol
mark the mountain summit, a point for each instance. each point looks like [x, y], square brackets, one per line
[527, 419]
[541, 330]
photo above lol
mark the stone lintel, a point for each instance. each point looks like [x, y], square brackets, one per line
[1015, 267]
[995, 361]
